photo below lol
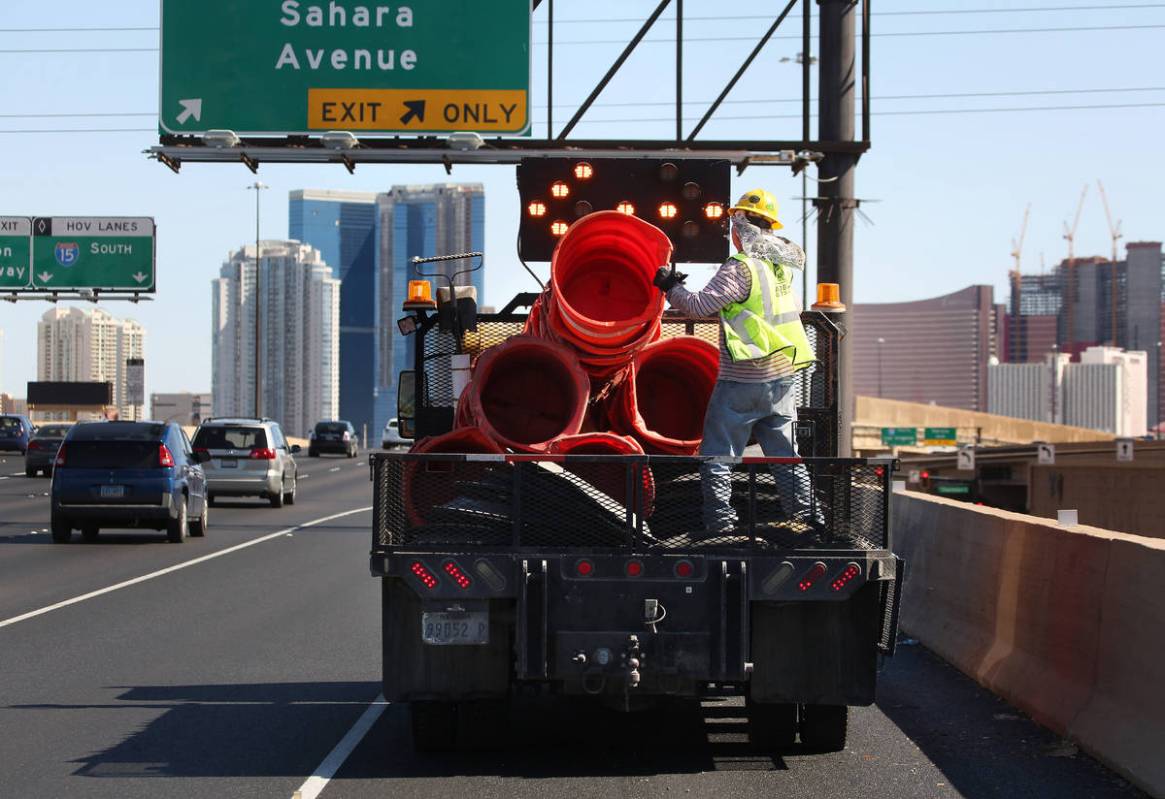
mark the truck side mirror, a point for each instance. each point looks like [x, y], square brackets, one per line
[406, 404]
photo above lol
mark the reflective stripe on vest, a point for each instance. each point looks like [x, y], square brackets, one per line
[768, 321]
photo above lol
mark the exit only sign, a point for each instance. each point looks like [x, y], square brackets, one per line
[302, 67]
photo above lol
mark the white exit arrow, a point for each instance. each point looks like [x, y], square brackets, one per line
[45, 277]
[139, 277]
[190, 108]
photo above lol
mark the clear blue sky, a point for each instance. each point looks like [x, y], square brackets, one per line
[951, 188]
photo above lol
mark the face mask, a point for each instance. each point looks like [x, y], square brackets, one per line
[757, 242]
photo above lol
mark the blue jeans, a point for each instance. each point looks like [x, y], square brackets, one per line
[736, 411]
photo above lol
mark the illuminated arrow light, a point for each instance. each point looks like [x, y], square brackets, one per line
[558, 227]
[668, 210]
[536, 209]
[559, 190]
[714, 211]
[842, 580]
[625, 207]
[583, 171]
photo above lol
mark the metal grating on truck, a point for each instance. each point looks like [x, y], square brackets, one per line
[641, 503]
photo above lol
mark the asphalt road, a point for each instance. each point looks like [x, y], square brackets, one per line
[237, 675]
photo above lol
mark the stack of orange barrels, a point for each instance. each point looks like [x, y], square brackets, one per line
[591, 374]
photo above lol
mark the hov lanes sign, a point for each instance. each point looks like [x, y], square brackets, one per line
[287, 67]
[106, 253]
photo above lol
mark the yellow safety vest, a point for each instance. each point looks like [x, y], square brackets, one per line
[768, 321]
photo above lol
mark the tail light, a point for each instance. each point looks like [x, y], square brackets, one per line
[779, 577]
[492, 576]
[347, 436]
[634, 568]
[584, 568]
[34, 444]
[851, 571]
[684, 569]
[264, 454]
[60, 459]
[427, 578]
[459, 577]
[165, 459]
[813, 575]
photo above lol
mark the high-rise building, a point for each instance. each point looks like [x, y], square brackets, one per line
[1105, 391]
[184, 408]
[299, 335]
[438, 219]
[932, 351]
[342, 226]
[79, 345]
[1090, 302]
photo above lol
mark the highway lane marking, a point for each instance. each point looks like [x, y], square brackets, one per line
[314, 785]
[176, 567]
[334, 469]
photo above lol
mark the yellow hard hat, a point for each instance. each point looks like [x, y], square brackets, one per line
[761, 203]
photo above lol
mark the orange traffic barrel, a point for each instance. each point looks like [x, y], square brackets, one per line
[663, 402]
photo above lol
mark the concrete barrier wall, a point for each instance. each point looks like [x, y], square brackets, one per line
[1128, 497]
[1066, 624]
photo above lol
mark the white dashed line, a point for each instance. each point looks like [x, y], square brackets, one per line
[334, 469]
[176, 567]
[315, 784]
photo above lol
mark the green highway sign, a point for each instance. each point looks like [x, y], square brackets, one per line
[15, 252]
[900, 436]
[310, 66]
[941, 436]
[106, 253]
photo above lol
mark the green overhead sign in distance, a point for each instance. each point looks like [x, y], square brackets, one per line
[288, 67]
[104, 253]
[15, 252]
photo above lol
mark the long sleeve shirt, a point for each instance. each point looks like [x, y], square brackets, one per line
[731, 283]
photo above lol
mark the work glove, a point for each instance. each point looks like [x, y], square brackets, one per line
[666, 279]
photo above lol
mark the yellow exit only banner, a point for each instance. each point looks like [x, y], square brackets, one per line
[419, 110]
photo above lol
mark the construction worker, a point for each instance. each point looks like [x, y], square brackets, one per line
[762, 346]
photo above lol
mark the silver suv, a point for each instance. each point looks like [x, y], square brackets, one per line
[248, 458]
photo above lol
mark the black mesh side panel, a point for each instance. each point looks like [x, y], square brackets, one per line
[603, 502]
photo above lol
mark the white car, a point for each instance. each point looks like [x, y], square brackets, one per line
[391, 438]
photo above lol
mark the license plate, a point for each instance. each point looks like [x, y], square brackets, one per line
[229, 464]
[112, 492]
[446, 628]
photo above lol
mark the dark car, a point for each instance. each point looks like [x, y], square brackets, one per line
[42, 448]
[15, 432]
[128, 474]
[337, 437]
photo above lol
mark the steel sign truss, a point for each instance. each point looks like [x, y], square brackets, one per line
[351, 148]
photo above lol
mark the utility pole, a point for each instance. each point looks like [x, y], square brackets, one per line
[257, 187]
[837, 81]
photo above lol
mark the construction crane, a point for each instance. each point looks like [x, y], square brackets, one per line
[1069, 290]
[1016, 282]
[1114, 232]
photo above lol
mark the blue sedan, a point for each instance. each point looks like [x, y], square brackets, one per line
[15, 431]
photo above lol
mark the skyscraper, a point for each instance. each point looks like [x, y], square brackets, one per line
[437, 219]
[342, 226]
[78, 345]
[300, 303]
[933, 350]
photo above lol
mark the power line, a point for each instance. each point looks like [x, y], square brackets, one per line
[912, 13]
[700, 103]
[893, 34]
[912, 112]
